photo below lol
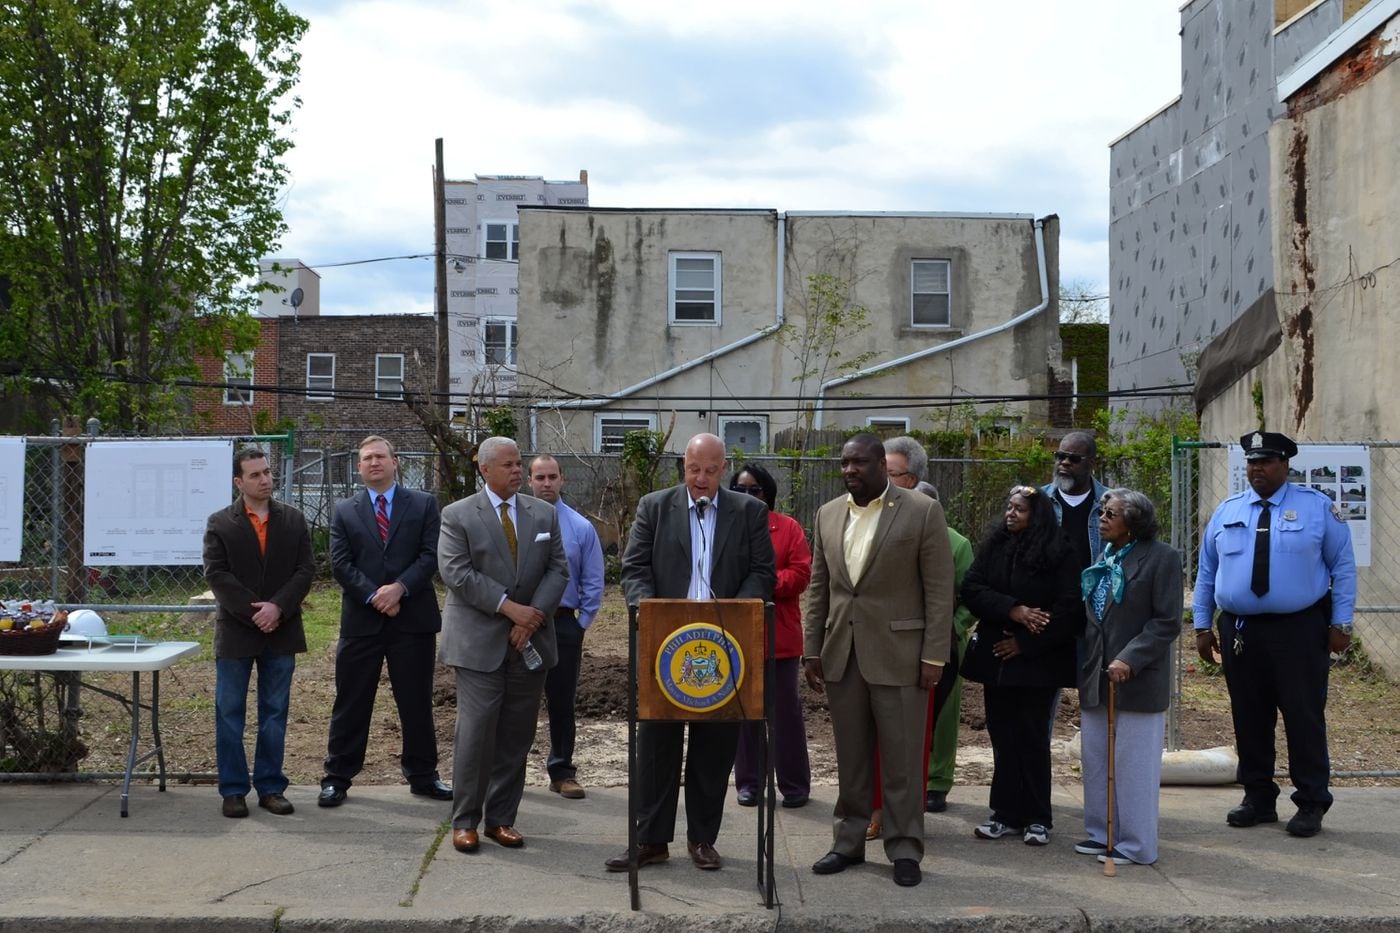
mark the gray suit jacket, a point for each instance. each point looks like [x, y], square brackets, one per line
[1139, 631]
[475, 564]
[900, 611]
[658, 558]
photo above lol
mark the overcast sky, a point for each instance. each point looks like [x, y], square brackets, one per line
[933, 105]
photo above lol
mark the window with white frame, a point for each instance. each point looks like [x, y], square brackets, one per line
[320, 376]
[887, 425]
[500, 338]
[695, 288]
[500, 239]
[931, 293]
[609, 430]
[748, 433]
[388, 375]
[238, 376]
[311, 469]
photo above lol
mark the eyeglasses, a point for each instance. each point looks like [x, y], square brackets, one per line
[1068, 457]
[1110, 514]
[898, 473]
[748, 490]
[1023, 490]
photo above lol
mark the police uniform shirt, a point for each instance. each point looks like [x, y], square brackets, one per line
[1309, 548]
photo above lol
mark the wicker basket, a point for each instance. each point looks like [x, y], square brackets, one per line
[29, 642]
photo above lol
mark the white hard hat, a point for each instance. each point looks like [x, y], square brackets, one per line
[86, 622]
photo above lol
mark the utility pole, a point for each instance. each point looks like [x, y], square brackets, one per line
[441, 382]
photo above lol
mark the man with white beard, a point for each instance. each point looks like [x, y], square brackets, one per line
[1077, 496]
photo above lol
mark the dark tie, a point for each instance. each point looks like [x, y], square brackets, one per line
[1259, 579]
[381, 515]
[508, 527]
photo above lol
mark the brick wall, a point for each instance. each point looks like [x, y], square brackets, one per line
[211, 412]
[356, 340]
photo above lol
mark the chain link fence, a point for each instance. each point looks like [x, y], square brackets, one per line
[42, 728]
[1361, 478]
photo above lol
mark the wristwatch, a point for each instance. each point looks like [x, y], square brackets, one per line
[1345, 629]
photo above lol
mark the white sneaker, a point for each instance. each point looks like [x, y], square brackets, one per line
[994, 830]
[1036, 835]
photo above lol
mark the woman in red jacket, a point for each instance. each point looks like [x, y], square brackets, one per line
[794, 563]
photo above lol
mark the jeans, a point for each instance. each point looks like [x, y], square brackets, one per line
[230, 715]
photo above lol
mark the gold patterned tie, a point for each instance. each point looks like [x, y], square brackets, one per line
[508, 527]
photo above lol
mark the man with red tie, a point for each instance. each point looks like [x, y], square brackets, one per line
[383, 554]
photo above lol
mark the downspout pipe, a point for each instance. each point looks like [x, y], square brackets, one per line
[1016, 321]
[780, 318]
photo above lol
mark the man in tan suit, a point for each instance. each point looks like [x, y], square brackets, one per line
[878, 630]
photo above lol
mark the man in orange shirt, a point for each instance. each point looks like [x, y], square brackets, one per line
[257, 560]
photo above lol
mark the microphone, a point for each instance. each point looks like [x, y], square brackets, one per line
[701, 505]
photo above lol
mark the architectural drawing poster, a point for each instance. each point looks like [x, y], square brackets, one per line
[1341, 473]
[11, 497]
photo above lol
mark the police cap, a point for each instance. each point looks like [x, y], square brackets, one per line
[1261, 445]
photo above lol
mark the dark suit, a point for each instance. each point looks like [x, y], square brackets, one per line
[657, 564]
[369, 639]
[498, 699]
[872, 635]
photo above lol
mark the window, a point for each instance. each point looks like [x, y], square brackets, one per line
[388, 375]
[500, 240]
[501, 338]
[884, 426]
[748, 433]
[320, 376]
[610, 429]
[695, 288]
[312, 469]
[238, 373]
[931, 296]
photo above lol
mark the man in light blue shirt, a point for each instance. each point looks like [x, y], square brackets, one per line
[1277, 561]
[582, 598]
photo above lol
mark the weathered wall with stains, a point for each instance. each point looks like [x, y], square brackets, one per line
[594, 303]
[1189, 218]
[1336, 243]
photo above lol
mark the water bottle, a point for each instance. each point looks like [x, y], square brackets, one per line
[531, 657]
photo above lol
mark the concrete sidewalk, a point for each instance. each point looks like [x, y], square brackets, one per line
[383, 861]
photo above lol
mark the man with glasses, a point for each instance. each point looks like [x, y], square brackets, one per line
[1077, 496]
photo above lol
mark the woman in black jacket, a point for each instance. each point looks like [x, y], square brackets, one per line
[1023, 588]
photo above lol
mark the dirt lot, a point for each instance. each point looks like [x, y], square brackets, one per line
[1363, 718]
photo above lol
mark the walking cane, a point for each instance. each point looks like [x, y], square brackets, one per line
[1110, 869]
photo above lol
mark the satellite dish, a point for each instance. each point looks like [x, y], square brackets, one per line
[297, 295]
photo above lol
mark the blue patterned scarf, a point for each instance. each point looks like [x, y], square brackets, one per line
[1106, 576]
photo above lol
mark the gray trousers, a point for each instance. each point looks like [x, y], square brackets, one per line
[863, 714]
[1137, 779]
[497, 715]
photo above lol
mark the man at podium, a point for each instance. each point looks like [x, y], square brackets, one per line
[692, 541]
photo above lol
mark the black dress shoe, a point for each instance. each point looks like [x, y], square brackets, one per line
[1306, 822]
[436, 790]
[646, 855]
[833, 863]
[795, 801]
[935, 801]
[330, 796]
[1247, 814]
[907, 873]
[747, 798]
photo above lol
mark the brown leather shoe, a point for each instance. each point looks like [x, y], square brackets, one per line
[567, 788]
[704, 855]
[646, 855]
[506, 836]
[465, 840]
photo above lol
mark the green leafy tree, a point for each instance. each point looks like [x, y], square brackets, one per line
[141, 155]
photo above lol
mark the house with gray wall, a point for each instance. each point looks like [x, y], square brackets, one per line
[690, 320]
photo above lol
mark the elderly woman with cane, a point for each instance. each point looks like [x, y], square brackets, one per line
[1133, 603]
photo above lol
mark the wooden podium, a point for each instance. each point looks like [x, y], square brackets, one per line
[702, 660]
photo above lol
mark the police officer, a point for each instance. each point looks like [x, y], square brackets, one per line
[1276, 560]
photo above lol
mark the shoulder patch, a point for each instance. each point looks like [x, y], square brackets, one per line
[1337, 514]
